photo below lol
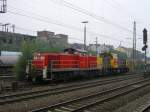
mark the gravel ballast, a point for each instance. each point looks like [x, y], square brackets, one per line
[49, 100]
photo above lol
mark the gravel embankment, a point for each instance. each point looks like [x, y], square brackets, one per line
[49, 100]
[126, 103]
[30, 87]
[135, 105]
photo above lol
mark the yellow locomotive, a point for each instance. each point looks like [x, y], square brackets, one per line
[109, 63]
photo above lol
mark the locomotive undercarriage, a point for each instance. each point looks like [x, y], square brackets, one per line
[68, 74]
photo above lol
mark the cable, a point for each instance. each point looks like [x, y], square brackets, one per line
[46, 19]
[56, 23]
[63, 26]
[42, 20]
[99, 18]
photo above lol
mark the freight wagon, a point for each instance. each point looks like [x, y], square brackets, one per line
[73, 63]
[7, 60]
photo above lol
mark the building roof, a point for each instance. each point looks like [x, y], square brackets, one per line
[75, 50]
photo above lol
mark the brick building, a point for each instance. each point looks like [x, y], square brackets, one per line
[58, 40]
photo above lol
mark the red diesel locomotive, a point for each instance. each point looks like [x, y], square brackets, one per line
[72, 63]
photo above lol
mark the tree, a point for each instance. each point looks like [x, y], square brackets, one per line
[121, 55]
[20, 66]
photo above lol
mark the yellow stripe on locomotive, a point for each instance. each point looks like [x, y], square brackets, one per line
[114, 60]
[114, 63]
[99, 62]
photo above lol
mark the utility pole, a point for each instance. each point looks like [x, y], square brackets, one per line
[85, 22]
[3, 5]
[134, 46]
[13, 28]
[120, 43]
[135, 41]
[96, 46]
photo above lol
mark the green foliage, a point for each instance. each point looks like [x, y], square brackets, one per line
[92, 53]
[20, 67]
[121, 55]
[43, 46]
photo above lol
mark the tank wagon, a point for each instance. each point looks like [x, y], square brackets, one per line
[9, 58]
[73, 63]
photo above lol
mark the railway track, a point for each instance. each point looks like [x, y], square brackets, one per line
[53, 91]
[5, 69]
[82, 104]
[144, 108]
[6, 76]
[147, 109]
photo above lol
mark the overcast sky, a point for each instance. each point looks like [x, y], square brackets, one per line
[109, 20]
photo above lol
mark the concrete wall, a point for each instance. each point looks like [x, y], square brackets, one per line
[12, 41]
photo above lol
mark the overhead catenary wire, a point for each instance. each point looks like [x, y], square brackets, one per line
[39, 19]
[56, 22]
[114, 4]
[48, 20]
[93, 15]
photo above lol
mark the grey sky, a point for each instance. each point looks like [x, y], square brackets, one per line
[52, 12]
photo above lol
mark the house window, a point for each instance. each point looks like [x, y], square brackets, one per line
[4, 41]
[10, 41]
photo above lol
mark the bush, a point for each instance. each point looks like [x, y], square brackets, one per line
[20, 66]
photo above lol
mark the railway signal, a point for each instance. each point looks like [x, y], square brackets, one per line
[145, 36]
[145, 45]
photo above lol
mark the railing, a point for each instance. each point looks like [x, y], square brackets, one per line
[63, 64]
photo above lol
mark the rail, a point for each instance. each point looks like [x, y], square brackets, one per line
[144, 108]
[59, 90]
[83, 103]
